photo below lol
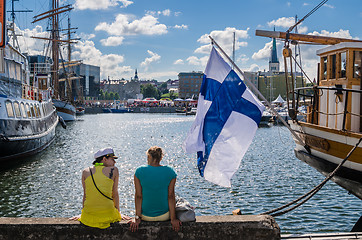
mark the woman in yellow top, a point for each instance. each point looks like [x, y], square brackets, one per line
[101, 206]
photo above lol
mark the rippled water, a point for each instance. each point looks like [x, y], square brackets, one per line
[49, 184]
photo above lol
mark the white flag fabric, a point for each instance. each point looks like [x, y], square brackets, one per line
[228, 115]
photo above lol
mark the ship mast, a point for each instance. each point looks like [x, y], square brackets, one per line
[55, 48]
[53, 15]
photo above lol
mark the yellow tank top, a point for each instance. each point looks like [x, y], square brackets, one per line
[98, 210]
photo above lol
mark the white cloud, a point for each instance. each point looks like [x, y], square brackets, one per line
[183, 26]
[224, 38]
[154, 57]
[197, 61]
[85, 36]
[263, 53]
[340, 34]
[123, 25]
[305, 4]
[289, 4]
[287, 23]
[282, 22]
[242, 59]
[31, 45]
[253, 68]
[329, 6]
[112, 41]
[166, 12]
[157, 75]
[100, 4]
[110, 64]
[179, 61]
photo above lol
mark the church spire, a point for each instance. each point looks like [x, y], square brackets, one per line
[274, 62]
[135, 76]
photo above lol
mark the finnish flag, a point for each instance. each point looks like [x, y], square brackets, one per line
[228, 115]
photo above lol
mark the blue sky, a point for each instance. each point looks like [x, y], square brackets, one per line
[162, 38]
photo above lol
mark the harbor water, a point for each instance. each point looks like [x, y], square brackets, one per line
[49, 184]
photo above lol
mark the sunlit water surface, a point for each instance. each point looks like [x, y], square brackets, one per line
[49, 184]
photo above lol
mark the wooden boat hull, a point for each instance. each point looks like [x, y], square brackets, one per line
[328, 148]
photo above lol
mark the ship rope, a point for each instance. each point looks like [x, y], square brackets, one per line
[307, 15]
[312, 192]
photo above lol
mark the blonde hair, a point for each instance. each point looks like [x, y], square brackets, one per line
[156, 153]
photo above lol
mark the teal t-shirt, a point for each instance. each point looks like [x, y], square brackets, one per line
[155, 182]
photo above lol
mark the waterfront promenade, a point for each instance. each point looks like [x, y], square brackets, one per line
[206, 227]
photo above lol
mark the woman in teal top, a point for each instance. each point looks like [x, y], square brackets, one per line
[155, 191]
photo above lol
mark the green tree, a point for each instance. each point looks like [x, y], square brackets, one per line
[149, 91]
[111, 96]
[116, 96]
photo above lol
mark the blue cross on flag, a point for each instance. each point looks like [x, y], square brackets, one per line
[228, 115]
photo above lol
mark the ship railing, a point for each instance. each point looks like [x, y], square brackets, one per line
[34, 93]
[339, 91]
[40, 68]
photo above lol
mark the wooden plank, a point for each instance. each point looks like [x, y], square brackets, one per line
[303, 37]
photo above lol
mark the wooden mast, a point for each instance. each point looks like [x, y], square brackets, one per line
[55, 49]
[303, 37]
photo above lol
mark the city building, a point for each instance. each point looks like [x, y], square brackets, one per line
[88, 82]
[190, 84]
[126, 89]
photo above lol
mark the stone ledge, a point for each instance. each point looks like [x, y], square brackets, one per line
[206, 227]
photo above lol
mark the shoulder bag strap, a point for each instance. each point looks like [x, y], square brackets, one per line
[97, 187]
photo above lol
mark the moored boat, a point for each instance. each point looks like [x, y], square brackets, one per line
[334, 124]
[27, 116]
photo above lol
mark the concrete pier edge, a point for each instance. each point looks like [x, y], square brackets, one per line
[206, 227]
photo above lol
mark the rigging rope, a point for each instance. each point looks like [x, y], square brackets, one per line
[308, 14]
[312, 192]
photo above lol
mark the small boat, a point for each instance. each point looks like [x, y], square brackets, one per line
[79, 111]
[180, 110]
[333, 125]
[192, 111]
[117, 107]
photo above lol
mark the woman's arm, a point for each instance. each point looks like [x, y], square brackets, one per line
[115, 194]
[172, 205]
[83, 184]
[138, 204]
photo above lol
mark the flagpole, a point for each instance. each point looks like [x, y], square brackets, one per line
[261, 95]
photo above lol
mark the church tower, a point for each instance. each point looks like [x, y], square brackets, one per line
[135, 76]
[274, 62]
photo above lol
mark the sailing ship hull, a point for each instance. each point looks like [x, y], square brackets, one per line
[328, 148]
[65, 110]
[24, 136]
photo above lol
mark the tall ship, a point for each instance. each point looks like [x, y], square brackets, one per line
[62, 95]
[27, 116]
[332, 133]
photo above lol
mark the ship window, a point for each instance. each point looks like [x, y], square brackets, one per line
[333, 73]
[22, 107]
[9, 109]
[357, 64]
[324, 68]
[32, 110]
[37, 110]
[17, 110]
[343, 64]
[28, 110]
